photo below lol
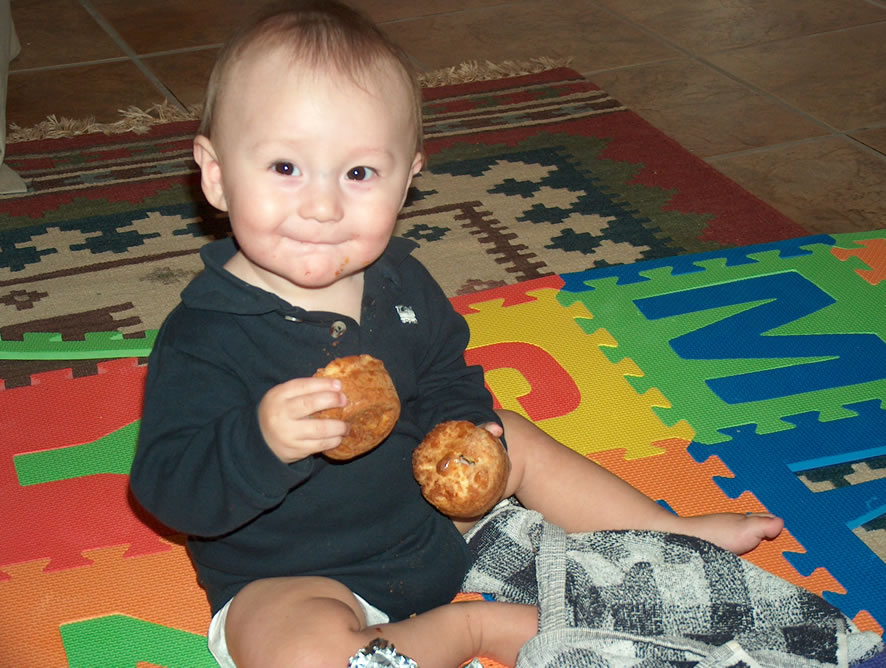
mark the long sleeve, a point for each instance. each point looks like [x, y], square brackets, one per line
[202, 466]
[447, 388]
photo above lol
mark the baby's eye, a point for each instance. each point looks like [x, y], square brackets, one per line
[360, 173]
[285, 168]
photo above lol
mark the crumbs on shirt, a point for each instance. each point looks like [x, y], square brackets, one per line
[407, 315]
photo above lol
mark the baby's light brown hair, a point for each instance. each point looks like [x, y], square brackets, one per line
[319, 35]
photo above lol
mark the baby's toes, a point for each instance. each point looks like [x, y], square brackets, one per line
[766, 525]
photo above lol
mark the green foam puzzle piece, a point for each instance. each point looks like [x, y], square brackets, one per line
[95, 345]
[110, 454]
[683, 382]
[119, 641]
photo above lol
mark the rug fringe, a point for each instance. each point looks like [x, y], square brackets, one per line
[473, 70]
[140, 121]
[132, 119]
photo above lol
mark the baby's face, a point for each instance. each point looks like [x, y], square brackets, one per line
[314, 168]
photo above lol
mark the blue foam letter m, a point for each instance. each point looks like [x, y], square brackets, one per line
[837, 359]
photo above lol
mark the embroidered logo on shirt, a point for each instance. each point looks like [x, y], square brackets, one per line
[407, 315]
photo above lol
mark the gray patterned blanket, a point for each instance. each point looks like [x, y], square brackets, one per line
[651, 599]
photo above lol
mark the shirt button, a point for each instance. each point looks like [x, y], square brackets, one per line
[338, 329]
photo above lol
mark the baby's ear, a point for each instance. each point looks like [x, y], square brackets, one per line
[210, 172]
[418, 162]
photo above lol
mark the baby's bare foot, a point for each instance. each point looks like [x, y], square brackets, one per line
[731, 531]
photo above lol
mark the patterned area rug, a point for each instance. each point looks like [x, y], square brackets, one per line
[547, 212]
[528, 176]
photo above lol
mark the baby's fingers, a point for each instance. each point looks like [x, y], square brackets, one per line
[309, 436]
[315, 429]
[318, 435]
[305, 396]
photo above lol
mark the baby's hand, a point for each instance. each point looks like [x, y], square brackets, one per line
[284, 416]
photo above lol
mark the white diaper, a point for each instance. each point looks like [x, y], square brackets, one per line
[218, 645]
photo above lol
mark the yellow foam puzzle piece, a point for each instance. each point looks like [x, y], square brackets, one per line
[548, 349]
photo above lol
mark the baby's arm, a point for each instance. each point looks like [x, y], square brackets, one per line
[447, 388]
[203, 466]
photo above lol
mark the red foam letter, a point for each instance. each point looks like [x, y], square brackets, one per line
[554, 392]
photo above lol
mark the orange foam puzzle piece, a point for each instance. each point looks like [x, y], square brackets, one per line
[872, 253]
[161, 588]
[866, 622]
[510, 295]
[688, 487]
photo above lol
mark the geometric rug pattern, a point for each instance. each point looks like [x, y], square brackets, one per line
[528, 176]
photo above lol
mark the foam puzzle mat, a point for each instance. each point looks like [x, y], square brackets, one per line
[741, 380]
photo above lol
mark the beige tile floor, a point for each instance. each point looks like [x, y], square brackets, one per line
[788, 98]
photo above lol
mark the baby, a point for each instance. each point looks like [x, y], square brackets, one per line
[310, 140]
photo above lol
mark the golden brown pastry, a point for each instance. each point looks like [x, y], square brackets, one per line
[373, 406]
[462, 469]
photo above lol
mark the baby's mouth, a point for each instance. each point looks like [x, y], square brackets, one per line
[314, 243]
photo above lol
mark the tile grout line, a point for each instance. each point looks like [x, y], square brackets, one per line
[131, 54]
[423, 67]
[765, 149]
[772, 96]
[619, 68]
[846, 138]
[183, 50]
[707, 63]
[811, 35]
[116, 59]
[842, 135]
[827, 126]
[450, 12]
[860, 145]
[68, 66]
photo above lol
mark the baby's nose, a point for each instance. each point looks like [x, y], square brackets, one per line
[321, 201]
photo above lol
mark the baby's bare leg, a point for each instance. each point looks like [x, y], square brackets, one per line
[579, 495]
[318, 622]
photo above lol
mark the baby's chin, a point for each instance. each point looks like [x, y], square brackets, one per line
[323, 274]
[326, 264]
